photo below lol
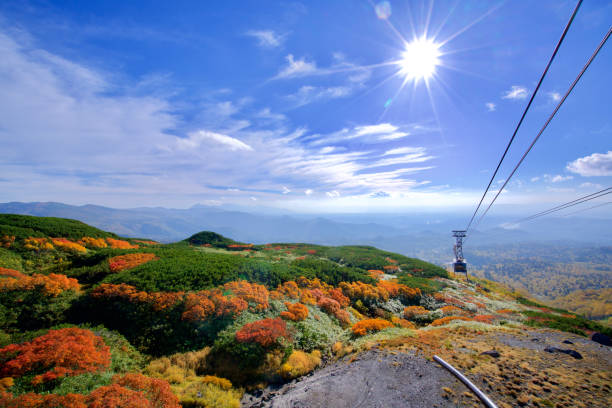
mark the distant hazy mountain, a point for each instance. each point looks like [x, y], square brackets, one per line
[424, 235]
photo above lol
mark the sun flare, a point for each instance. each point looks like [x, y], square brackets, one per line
[420, 59]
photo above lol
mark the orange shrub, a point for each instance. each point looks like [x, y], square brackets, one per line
[155, 390]
[264, 332]
[311, 251]
[375, 273]
[364, 291]
[93, 242]
[413, 311]
[120, 244]
[64, 352]
[50, 285]
[366, 326]
[506, 311]
[393, 261]
[395, 289]
[31, 400]
[68, 245]
[296, 312]
[448, 319]
[158, 300]
[121, 262]
[254, 294]
[288, 289]
[391, 268]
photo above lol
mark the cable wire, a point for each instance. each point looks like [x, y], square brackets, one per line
[552, 115]
[552, 57]
[589, 208]
[567, 205]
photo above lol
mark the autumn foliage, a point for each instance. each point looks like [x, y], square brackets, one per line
[295, 312]
[121, 262]
[68, 245]
[6, 241]
[37, 244]
[59, 353]
[93, 242]
[265, 332]
[366, 326]
[120, 244]
[128, 391]
[50, 285]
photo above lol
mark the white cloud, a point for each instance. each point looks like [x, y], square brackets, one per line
[490, 106]
[516, 92]
[597, 164]
[332, 194]
[308, 94]
[327, 149]
[286, 190]
[296, 68]
[591, 185]
[267, 38]
[385, 128]
[253, 198]
[308, 192]
[534, 179]
[554, 96]
[559, 178]
[404, 150]
[204, 137]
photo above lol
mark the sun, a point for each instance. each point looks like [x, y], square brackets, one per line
[420, 59]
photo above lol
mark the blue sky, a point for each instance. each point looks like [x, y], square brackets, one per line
[298, 105]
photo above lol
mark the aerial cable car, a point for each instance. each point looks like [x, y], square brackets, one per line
[459, 265]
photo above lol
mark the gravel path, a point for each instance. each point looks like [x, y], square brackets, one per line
[375, 378]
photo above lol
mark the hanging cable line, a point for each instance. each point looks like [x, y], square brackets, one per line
[568, 205]
[589, 208]
[552, 57]
[552, 115]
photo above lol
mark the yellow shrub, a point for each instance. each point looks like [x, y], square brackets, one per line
[300, 363]
[202, 395]
[5, 383]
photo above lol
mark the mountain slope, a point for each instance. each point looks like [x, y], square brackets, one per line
[213, 315]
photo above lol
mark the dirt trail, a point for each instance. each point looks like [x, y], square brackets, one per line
[375, 378]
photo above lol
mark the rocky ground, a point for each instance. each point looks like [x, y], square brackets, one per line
[533, 368]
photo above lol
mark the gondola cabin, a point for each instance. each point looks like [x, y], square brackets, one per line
[460, 267]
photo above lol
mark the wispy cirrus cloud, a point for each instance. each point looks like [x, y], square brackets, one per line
[296, 68]
[267, 38]
[209, 140]
[490, 106]
[516, 92]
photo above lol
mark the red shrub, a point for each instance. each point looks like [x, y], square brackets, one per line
[484, 318]
[64, 352]
[265, 332]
